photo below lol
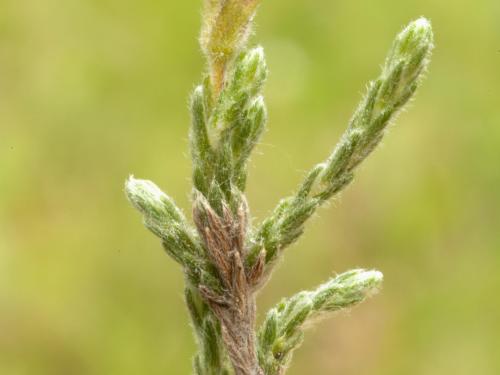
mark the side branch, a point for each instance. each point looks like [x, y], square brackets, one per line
[386, 96]
[282, 331]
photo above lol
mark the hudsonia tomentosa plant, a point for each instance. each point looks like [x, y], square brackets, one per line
[226, 260]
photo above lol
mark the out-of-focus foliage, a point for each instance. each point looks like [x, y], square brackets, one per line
[91, 91]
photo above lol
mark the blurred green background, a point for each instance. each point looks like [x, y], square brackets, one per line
[91, 91]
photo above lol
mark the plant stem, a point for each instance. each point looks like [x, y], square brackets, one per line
[224, 261]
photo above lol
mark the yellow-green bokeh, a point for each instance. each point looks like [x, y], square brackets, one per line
[93, 90]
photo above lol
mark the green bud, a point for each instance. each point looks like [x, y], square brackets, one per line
[201, 150]
[244, 84]
[246, 137]
[200, 145]
[154, 204]
[251, 71]
[407, 60]
[346, 290]
[165, 220]
[412, 44]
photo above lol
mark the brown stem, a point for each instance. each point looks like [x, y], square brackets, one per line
[234, 307]
[217, 78]
[237, 319]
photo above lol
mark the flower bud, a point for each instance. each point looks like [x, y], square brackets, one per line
[158, 209]
[407, 60]
[347, 289]
[251, 71]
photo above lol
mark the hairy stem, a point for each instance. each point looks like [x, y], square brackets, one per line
[234, 306]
